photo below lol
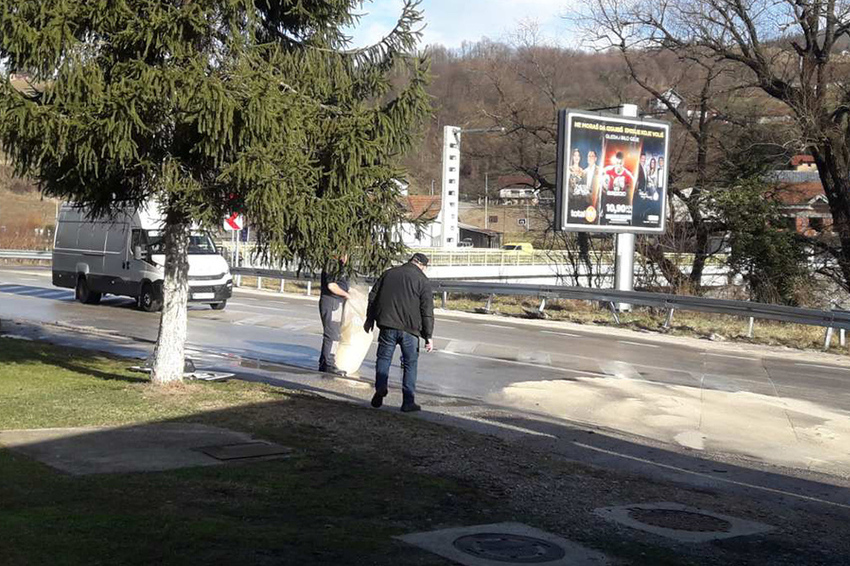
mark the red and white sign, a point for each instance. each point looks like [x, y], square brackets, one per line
[234, 222]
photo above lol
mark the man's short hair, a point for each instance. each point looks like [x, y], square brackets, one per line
[619, 155]
[419, 258]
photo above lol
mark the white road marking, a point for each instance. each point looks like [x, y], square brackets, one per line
[460, 347]
[498, 326]
[253, 321]
[821, 367]
[731, 356]
[280, 309]
[711, 476]
[560, 333]
[642, 344]
[514, 427]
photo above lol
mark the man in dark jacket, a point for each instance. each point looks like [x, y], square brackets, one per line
[402, 305]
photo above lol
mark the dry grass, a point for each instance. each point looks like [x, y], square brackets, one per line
[693, 324]
[21, 215]
[297, 287]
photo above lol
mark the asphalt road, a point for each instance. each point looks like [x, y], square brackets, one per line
[788, 410]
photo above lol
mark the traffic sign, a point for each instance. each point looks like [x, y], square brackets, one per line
[234, 222]
[521, 221]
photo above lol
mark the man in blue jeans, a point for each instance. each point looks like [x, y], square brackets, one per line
[402, 305]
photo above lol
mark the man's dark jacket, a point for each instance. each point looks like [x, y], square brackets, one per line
[402, 300]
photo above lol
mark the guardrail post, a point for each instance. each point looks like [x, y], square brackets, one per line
[238, 280]
[309, 287]
[489, 302]
[613, 308]
[259, 282]
[827, 341]
[669, 319]
[282, 285]
[445, 299]
[542, 305]
[750, 329]
[842, 338]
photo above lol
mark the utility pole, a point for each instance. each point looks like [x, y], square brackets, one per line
[624, 262]
[486, 197]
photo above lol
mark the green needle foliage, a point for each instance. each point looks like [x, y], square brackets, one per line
[219, 106]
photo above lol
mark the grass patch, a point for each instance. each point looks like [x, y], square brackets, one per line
[325, 505]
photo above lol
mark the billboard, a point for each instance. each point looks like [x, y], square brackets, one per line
[612, 173]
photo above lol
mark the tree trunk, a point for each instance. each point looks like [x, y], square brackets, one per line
[669, 269]
[834, 178]
[169, 352]
[584, 255]
[700, 256]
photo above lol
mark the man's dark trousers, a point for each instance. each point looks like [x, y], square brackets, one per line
[388, 339]
[330, 311]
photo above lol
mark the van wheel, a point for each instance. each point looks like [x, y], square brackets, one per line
[84, 294]
[218, 306]
[150, 300]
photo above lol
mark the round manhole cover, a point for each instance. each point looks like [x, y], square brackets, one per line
[680, 520]
[501, 547]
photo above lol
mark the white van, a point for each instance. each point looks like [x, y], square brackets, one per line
[123, 255]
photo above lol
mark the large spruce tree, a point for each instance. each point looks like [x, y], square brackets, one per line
[210, 107]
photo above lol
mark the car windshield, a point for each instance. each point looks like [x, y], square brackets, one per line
[199, 242]
[510, 247]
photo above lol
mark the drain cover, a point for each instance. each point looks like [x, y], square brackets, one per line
[245, 450]
[516, 549]
[680, 520]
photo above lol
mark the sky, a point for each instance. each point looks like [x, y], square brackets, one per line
[451, 22]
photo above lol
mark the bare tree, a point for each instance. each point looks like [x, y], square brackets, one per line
[788, 51]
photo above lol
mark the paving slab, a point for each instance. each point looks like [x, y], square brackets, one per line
[139, 448]
[504, 544]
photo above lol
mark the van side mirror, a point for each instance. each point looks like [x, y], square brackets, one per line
[137, 253]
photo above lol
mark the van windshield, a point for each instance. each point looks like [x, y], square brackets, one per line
[509, 248]
[199, 242]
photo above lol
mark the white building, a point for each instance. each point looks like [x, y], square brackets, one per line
[428, 210]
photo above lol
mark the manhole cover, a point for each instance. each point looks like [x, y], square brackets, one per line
[245, 450]
[502, 547]
[680, 520]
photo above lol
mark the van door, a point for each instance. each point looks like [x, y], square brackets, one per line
[92, 245]
[115, 267]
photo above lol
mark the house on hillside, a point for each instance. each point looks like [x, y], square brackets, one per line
[514, 189]
[800, 192]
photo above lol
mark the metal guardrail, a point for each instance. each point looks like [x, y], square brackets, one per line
[34, 255]
[813, 317]
[829, 319]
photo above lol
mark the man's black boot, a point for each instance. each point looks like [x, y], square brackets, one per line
[378, 398]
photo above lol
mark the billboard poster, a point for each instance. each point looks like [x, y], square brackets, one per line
[612, 173]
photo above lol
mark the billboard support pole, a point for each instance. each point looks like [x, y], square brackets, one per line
[624, 263]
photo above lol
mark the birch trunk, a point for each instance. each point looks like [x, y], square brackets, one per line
[169, 352]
